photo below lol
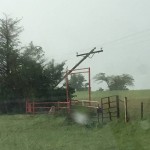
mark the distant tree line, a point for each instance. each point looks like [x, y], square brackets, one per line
[24, 71]
[114, 82]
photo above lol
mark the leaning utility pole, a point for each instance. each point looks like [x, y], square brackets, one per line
[85, 56]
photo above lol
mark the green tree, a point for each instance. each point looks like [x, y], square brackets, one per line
[24, 72]
[9, 56]
[31, 69]
[52, 73]
[115, 82]
[77, 82]
[38, 77]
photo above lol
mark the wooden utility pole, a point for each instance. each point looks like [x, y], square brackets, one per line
[85, 56]
[126, 109]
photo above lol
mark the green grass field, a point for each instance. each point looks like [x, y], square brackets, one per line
[46, 132]
[43, 132]
[135, 97]
[140, 95]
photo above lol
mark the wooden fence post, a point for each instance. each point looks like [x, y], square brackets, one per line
[102, 108]
[98, 112]
[98, 116]
[58, 105]
[126, 109]
[109, 109]
[118, 109]
[69, 106]
[142, 110]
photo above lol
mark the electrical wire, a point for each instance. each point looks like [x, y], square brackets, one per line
[129, 39]
[126, 37]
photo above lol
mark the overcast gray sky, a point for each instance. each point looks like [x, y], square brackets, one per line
[64, 27]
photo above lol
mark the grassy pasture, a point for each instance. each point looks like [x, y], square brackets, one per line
[140, 95]
[135, 97]
[43, 132]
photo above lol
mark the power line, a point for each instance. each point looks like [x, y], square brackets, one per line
[141, 42]
[126, 37]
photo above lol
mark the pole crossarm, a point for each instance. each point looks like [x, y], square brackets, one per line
[88, 53]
